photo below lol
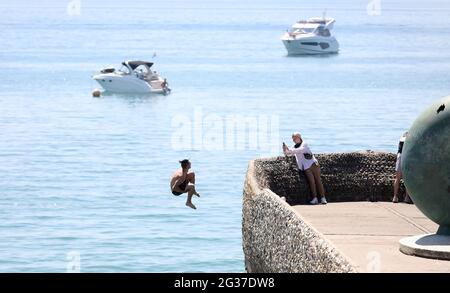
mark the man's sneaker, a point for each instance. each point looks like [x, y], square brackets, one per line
[395, 199]
[323, 200]
[314, 201]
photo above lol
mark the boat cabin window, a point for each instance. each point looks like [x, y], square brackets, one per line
[310, 43]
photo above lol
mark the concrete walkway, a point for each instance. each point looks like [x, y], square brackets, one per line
[368, 234]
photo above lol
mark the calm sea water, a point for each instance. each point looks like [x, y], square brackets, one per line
[88, 177]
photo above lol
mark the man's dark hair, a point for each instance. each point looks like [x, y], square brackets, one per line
[184, 163]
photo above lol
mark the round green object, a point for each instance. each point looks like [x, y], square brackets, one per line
[426, 163]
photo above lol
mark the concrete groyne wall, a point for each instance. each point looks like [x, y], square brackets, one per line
[357, 176]
[276, 238]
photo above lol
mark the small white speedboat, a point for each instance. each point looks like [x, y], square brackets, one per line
[132, 77]
[311, 36]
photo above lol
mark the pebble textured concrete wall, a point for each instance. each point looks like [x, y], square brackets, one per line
[357, 176]
[276, 239]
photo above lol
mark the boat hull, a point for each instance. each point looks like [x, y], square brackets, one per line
[123, 84]
[310, 45]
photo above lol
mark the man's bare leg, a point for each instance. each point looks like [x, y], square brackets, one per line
[191, 179]
[316, 172]
[398, 175]
[189, 200]
[312, 183]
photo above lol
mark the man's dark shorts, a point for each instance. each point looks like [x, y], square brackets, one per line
[182, 186]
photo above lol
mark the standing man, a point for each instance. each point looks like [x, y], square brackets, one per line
[184, 181]
[308, 163]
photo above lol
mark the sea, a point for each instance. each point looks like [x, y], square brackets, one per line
[84, 181]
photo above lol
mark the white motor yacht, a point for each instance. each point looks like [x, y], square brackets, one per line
[311, 36]
[132, 77]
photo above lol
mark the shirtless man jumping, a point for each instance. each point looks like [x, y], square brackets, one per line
[184, 181]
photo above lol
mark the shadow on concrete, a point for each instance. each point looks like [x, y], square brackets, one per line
[432, 240]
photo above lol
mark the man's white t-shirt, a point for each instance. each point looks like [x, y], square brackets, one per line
[303, 155]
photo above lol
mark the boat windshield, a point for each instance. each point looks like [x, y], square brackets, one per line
[302, 30]
[323, 32]
[124, 70]
[142, 69]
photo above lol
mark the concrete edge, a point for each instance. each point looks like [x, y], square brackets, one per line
[409, 246]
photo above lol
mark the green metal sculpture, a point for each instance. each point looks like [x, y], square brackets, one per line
[426, 164]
